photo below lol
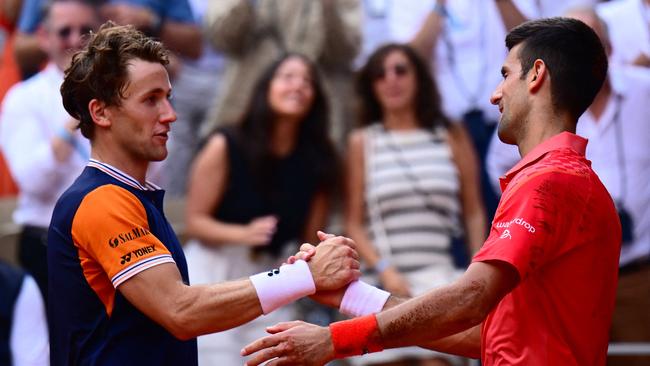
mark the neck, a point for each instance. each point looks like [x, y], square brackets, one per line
[543, 130]
[283, 136]
[403, 119]
[600, 101]
[119, 160]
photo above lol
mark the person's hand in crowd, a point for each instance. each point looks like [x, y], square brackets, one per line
[642, 60]
[394, 282]
[63, 141]
[293, 343]
[260, 231]
[138, 16]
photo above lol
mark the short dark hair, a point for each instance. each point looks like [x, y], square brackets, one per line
[428, 106]
[99, 71]
[573, 54]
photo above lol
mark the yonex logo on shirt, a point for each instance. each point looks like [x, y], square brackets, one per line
[138, 253]
[122, 238]
[518, 221]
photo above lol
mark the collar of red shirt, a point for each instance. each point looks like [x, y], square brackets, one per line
[559, 141]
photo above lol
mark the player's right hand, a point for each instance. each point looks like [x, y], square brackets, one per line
[334, 264]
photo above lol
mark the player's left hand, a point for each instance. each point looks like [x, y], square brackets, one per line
[292, 343]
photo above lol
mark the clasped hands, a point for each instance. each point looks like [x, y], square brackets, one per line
[334, 263]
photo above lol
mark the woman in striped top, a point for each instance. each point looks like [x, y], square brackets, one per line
[412, 182]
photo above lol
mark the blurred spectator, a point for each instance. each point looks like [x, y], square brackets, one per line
[37, 136]
[414, 177]
[628, 23]
[260, 188]
[23, 327]
[254, 33]
[616, 125]
[9, 75]
[169, 20]
[195, 89]
[464, 39]
[29, 55]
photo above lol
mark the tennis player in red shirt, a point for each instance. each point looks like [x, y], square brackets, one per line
[541, 290]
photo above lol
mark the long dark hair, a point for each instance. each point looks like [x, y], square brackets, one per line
[428, 108]
[253, 133]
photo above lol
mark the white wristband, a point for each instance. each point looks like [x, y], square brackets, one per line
[282, 286]
[362, 299]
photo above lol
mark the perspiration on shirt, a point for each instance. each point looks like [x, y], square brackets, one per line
[557, 226]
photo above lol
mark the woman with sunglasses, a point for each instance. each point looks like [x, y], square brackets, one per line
[412, 185]
[260, 188]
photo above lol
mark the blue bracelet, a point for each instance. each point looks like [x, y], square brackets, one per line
[382, 265]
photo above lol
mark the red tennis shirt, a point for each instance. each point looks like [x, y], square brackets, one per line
[557, 226]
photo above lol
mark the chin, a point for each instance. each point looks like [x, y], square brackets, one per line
[504, 136]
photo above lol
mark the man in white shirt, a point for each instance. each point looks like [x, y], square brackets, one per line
[628, 23]
[616, 125]
[37, 136]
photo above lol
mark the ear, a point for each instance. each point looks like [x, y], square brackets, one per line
[536, 76]
[100, 113]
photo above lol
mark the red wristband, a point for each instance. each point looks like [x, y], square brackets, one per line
[355, 336]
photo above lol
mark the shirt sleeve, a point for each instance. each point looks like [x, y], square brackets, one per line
[179, 10]
[29, 341]
[531, 225]
[112, 228]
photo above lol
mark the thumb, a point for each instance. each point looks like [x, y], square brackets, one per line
[324, 236]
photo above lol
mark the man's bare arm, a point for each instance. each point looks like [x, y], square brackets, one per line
[444, 319]
[190, 311]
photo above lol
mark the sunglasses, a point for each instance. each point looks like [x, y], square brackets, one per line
[399, 70]
[66, 32]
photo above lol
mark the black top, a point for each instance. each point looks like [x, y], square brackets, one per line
[286, 191]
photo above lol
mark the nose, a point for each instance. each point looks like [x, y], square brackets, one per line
[168, 114]
[495, 98]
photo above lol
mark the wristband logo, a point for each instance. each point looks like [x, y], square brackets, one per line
[517, 221]
[140, 252]
[135, 233]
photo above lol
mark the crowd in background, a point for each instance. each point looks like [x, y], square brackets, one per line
[368, 117]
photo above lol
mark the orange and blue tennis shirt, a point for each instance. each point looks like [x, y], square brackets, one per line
[105, 229]
[556, 225]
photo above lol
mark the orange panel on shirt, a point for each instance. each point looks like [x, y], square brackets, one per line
[111, 230]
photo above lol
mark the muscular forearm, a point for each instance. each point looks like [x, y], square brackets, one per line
[435, 315]
[189, 311]
[466, 343]
[207, 309]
